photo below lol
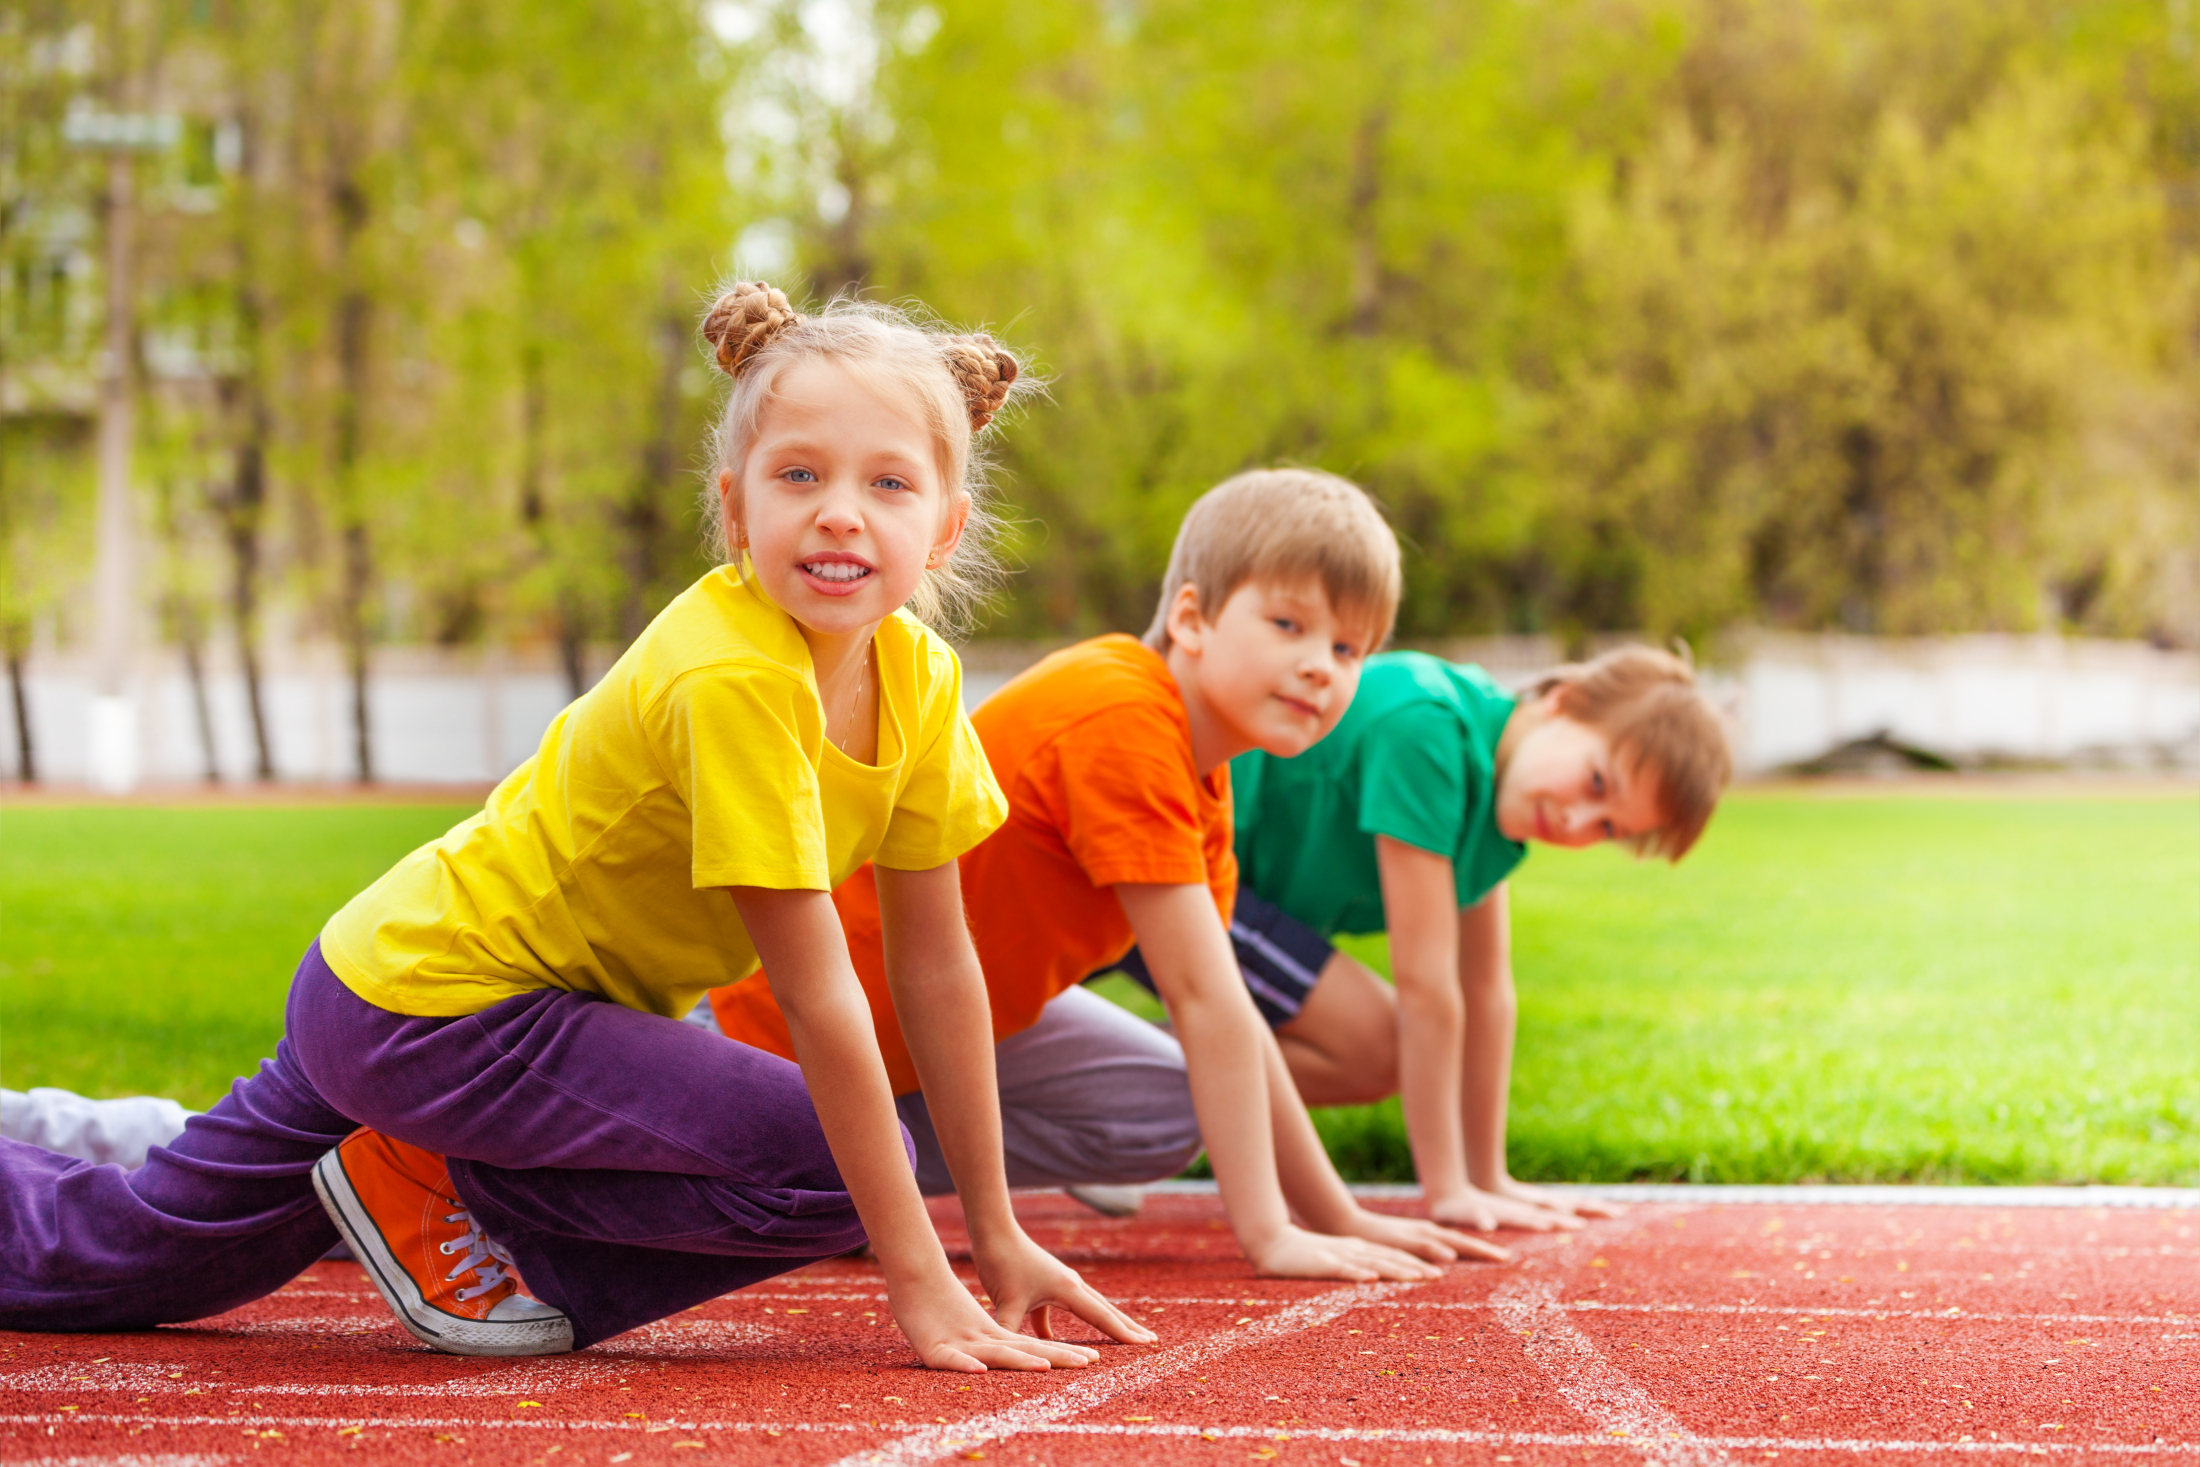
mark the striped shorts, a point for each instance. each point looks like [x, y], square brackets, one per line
[1280, 958]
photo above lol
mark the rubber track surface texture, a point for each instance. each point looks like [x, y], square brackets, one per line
[1678, 1334]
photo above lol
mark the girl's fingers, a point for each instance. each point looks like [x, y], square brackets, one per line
[947, 1357]
[1001, 1355]
[1491, 1251]
[1104, 1317]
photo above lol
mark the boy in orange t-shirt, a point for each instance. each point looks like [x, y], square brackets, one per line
[1113, 755]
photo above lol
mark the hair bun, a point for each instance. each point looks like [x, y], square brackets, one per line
[984, 371]
[744, 321]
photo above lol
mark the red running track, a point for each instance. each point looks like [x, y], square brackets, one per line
[1678, 1334]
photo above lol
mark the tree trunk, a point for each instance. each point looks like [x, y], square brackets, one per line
[534, 513]
[644, 517]
[243, 505]
[240, 509]
[26, 752]
[1367, 192]
[354, 320]
[191, 640]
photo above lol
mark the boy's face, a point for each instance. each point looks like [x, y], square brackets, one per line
[1564, 786]
[1277, 666]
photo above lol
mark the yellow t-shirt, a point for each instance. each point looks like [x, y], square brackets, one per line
[699, 762]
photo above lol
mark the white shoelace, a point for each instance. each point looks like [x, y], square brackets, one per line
[487, 1258]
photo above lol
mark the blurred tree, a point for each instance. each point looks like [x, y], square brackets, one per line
[1660, 315]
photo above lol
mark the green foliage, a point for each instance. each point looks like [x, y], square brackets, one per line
[1959, 989]
[1664, 315]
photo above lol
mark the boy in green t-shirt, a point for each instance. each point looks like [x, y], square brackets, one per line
[1407, 819]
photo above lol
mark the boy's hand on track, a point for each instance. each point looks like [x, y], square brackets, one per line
[1295, 1253]
[1561, 1202]
[1431, 1241]
[1025, 1281]
[952, 1331]
[1484, 1211]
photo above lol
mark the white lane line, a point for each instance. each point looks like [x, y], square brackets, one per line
[1951, 1313]
[1862, 1194]
[1528, 1305]
[1431, 1435]
[1087, 1391]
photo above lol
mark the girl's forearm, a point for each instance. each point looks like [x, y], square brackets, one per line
[940, 1001]
[805, 954]
[949, 1026]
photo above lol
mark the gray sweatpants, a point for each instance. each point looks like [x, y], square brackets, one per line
[1090, 1093]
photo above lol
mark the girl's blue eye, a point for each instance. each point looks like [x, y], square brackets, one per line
[1345, 651]
[1596, 785]
[1286, 624]
[890, 482]
[800, 476]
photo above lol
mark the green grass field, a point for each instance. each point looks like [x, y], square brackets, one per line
[1944, 988]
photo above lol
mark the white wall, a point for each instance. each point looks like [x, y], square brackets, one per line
[471, 716]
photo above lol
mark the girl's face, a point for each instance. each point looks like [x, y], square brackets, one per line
[1564, 786]
[839, 502]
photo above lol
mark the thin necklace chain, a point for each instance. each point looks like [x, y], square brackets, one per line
[855, 704]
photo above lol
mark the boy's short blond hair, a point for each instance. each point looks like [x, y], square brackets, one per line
[1287, 525]
[1647, 703]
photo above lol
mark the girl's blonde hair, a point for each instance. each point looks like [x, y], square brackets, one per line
[960, 383]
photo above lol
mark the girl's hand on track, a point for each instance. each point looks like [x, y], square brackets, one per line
[1427, 1240]
[952, 1331]
[1296, 1253]
[1025, 1281]
[1483, 1211]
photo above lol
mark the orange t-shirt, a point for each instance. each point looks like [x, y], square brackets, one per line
[1093, 749]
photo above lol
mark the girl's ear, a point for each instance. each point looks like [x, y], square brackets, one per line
[1187, 627]
[951, 533]
[729, 512]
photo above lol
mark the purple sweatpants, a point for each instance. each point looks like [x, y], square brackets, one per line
[634, 1166]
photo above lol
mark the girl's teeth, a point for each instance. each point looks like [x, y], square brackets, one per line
[838, 571]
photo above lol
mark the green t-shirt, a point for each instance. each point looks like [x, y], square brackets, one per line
[1414, 758]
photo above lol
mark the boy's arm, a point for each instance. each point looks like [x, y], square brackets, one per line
[1319, 1196]
[939, 998]
[1226, 1051]
[1485, 970]
[1421, 910]
[798, 935]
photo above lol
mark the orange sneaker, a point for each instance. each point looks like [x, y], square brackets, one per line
[396, 1207]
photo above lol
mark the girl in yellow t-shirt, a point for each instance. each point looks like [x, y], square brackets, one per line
[501, 1011]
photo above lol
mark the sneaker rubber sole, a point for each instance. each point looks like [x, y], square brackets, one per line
[438, 1329]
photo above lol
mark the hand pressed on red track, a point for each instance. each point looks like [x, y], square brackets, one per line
[1430, 1241]
[952, 1331]
[1295, 1253]
[1027, 1282]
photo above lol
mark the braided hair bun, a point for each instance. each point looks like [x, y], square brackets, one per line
[983, 371]
[744, 321]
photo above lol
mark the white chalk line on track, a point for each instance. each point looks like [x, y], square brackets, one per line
[1528, 1305]
[1805, 1194]
[928, 1444]
[1438, 1436]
